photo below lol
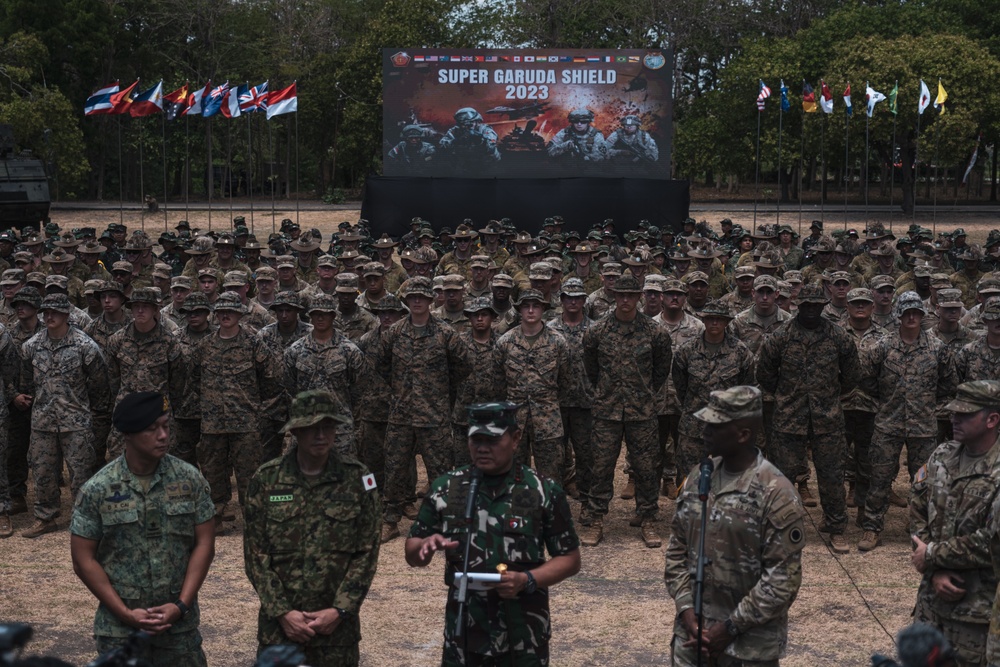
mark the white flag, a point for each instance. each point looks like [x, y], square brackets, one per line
[925, 98]
[873, 97]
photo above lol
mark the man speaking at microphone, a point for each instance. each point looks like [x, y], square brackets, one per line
[515, 515]
[753, 542]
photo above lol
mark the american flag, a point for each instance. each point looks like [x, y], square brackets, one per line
[254, 99]
[764, 93]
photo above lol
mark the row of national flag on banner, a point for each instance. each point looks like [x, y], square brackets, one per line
[811, 102]
[229, 101]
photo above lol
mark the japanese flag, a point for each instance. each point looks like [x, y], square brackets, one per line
[368, 481]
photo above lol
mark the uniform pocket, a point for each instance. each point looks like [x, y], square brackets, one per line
[180, 518]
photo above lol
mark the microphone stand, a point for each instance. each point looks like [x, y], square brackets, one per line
[463, 585]
[704, 485]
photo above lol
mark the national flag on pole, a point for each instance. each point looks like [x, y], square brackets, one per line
[99, 103]
[785, 105]
[847, 101]
[147, 102]
[764, 93]
[941, 98]
[925, 98]
[122, 100]
[211, 103]
[972, 160]
[282, 101]
[231, 103]
[826, 97]
[893, 95]
[176, 102]
[808, 98]
[254, 99]
[872, 97]
[195, 105]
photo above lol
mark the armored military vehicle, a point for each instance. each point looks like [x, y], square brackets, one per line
[24, 186]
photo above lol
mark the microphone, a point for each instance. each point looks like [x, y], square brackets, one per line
[470, 502]
[705, 478]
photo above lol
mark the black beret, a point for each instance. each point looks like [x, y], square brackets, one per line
[137, 411]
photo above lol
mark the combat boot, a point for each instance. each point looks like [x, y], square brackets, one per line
[628, 493]
[591, 536]
[572, 490]
[40, 527]
[897, 501]
[410, 511]
[6, 530]
[227, 513]
[850, 495]
[649, 536]
[839, 544]
[807, 498]
[669, 489]
[390, 531]
[869, 541]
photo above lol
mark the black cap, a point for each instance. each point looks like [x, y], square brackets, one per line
[137, 411]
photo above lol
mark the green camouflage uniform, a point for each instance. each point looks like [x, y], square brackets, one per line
[754, 541]
[977, 361]
[312, 544]
[483, 385]
[101, 330]
[20, 422]
[859, 418]
[519, 517]
[450, 263]
[275, 413]
[535, 373]
[575, 406]
[10, 363]
[967, 284]
[374, 415]
[187, 410]
[458, 320]
[669, 412]
[357, 324]
[809, 371]
[145, 536]
[599, 303]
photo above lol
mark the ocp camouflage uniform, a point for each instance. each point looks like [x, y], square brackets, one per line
[977, 361]
[256, 317]
[954, 341]
[575, 406]
[68, 379]
[357, 324]
[312, 544]
[169, 312]
[10, 367]
[422, 368]
[669, 413]
[482, 385]
[534, 373]
[450, 263]
[967, 284]
[517, 520]
[599, 304]
[908, 381]
[145, 536]
[337, 366]
[859, 418]
[275, 412]
[698, 370]
[754, 541]
[187, 410]
[950, 510]
[235, 378]
[627, 364]
[809, 371]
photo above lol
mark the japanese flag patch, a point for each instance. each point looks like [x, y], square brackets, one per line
[368, 481]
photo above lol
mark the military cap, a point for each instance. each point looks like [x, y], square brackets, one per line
[611, 269]
[23, 256]
[92, 286]
[975, 396]
[745, 272]
[875, 230]
[322, 303]
[62, 282]
[417, 285]
[349, 234]
[716, 309]
[225, 239]
[464, 232]
[639, 257]
[988, 285]
[492, 419]
[328, 261]
[66, 240]
[573, 287]
[266, 273]
[58, 303]
[51, 228]
[972, 253]
[502, 280]
[312, 407]
[473, 306]
[923, 270]
[28, 295]
[228, 301]
[138, 241]
[149, 295]
[991, 309]
[111, 286]
[837, 276]
[884, 249]
[121, 267]
[627, 285]
[480, 262]
[36, 278]
[31, 240]
[531, 295]
[785, 289]
[653, 282]
[860, 294]
[12, 277]
[286, 262]
[762, 282]
[909, 300]
[540, 271]
[424, 255]
[235, 279]
[372, 269]
[201, 246]
[8, 237]
[305, 244]
[728, 405]
[195, 301]
[289, 299]
[492, 227]
[453, 281]
[241, 230]
[252, 243]
[695, 277]
[59, 256]
[880, 281]
[389, 303]
[812, 293]
[209, 273]
[437, 283]
[183, 224]
[765, 232]
[347, 283]
[184, 282]
[705, 250]
[949, 298]
[138, 410]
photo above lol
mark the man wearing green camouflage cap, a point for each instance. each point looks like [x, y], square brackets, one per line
[953, 526]
[980, 359]
[754, 556]
[311, 542]
[518, 515]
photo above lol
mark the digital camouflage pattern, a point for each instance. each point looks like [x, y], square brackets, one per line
[100, 329]
[357, 324]
[151, 361]
[977, 361]
[577, 393]
[517, 520]
[311, 544]
[10, 366]
[754, 540]
[534, 373]
[599, 303]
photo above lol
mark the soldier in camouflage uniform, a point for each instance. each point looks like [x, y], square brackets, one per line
[459, 260]
[518, 516]
[235, 375]
[753, 540]
[980, 360]
[142, 540]
[180, 289]
[394, 273]
[26, 304]
[115, 316]
[602, 301]
[10, 283]
[627, 359]
[257, 316]
[484, 383]
[311, 543]
[809, 364]
[422, 360]
[532, 366]
[63, 381]
[950, 515]
[187, 411]
[581, 142]
[352, 319]
[10, 361]
[452, 310]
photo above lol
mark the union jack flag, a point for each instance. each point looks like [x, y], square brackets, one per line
[254, 99]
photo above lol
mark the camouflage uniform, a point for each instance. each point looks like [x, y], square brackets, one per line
[859, 418]
[171, 313]
[483, 385]
[669, 412]
[68, 379]
[312, 544]
[187, 410]
[754, 541]
[809, 371]
[422, 368]
[450, 263]
[235, 378]
[257, 316]
[357, 324]
[950, 510]
[627, 364]
[575, 406]
[516, 522]
[19, 434]
[458, 320]
[145, 537]
[101, 330]
[275, 413]
[10, 362]
[374, 415]
[977, 361]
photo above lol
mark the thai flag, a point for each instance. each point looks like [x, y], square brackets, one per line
[100, 102]
[282, 101]
[254, 99]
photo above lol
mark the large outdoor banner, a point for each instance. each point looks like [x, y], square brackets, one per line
[526, 113]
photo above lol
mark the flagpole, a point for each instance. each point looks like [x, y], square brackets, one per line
[270, 152]
[847, 155]
[756, 187]
[934, 185]
[781, 174]
[142, 185]
[822, 157]
[250, 166]
[916, 165]
[164, 144]
[121, 178]
[211, 171]
[867, 161]
[297, 164]
[229, 168]
[892, 154]
[802, 162]
[187, 164]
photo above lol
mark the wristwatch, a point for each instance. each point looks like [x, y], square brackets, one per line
[532, 585]
[342, 613]
[183, 607]
[731, 628]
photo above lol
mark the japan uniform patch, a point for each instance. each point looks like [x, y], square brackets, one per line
[368, 481]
